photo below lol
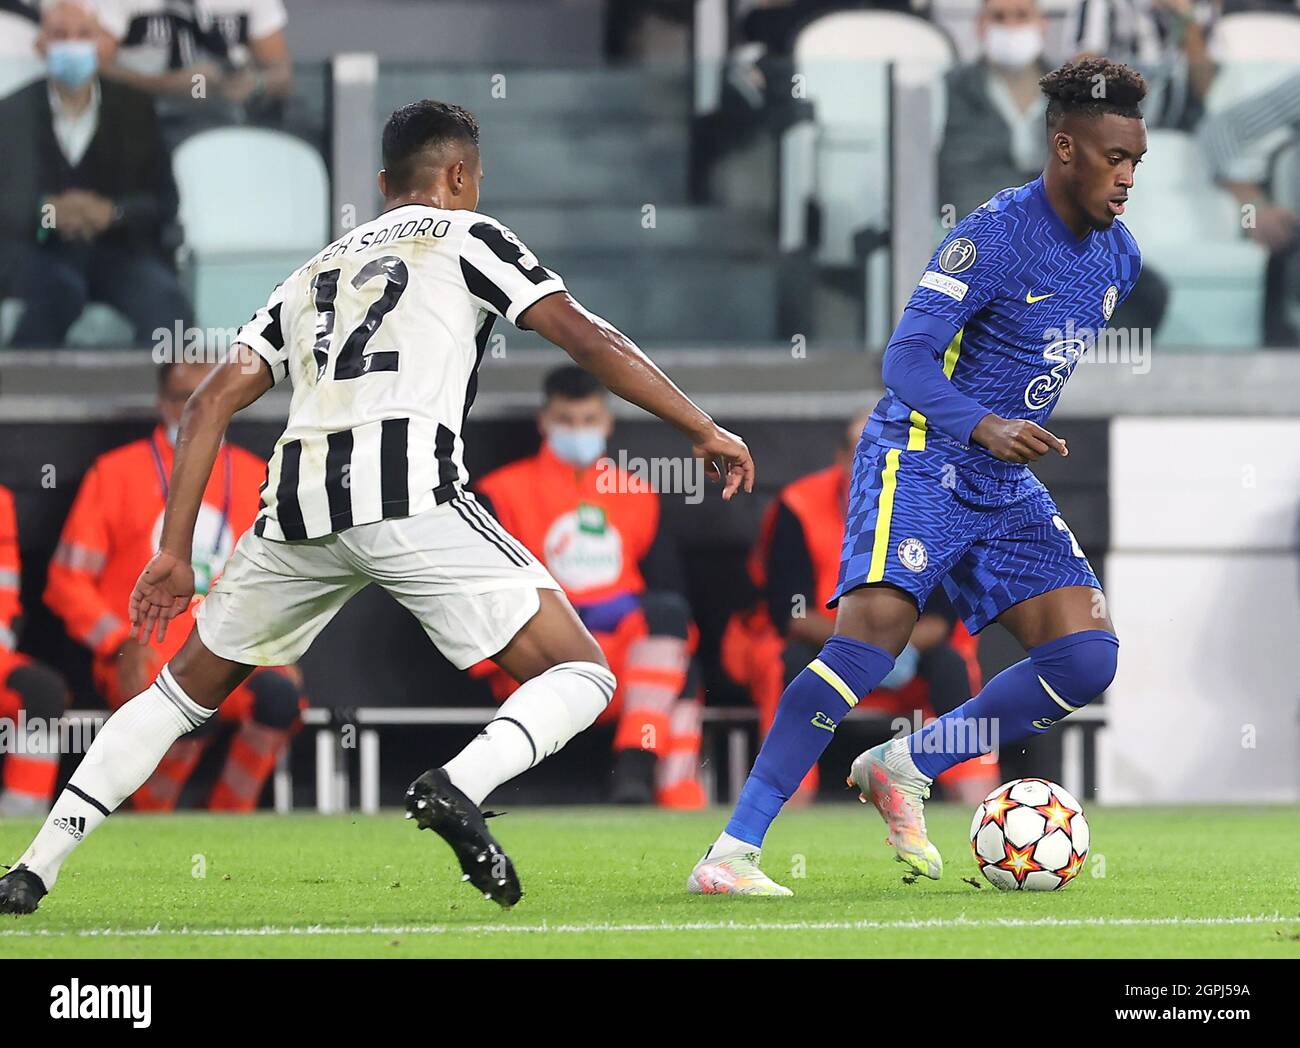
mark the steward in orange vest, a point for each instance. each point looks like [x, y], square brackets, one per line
[32, 695]
[596, 528]
[109, 536]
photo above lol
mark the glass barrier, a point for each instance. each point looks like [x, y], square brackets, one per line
[669, 224]
[797, 207]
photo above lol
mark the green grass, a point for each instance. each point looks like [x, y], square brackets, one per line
[609, 882]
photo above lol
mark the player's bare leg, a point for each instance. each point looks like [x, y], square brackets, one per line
[125, 753]
[565, 685]
[1056, 614]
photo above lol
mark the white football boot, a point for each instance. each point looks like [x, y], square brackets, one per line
[886, 776]
[732, 875]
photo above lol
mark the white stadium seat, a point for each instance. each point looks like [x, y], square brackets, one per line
[1256, 36]
[841, 162]
[20, 65]
[254, 206]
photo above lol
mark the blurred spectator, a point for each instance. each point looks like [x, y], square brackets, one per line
[1239, 144]
[795, 565]
[192, 53]
[87, 200]
[994, 136]
[596, 528]
[38, 693]
[995, 132]
[110, 534]
[1162, 39]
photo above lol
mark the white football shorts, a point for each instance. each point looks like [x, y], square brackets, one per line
[470, 583]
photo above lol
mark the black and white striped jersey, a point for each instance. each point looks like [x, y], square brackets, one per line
[383, 333]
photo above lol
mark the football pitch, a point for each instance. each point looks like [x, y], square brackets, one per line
[1160, 882]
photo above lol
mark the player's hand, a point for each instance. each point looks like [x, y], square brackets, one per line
[718, 444]
[161, 593]
[1016, 439]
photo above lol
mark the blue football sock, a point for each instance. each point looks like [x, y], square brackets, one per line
[811, 709]
[1024, 699]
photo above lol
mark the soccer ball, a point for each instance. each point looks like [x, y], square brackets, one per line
[1030, 835]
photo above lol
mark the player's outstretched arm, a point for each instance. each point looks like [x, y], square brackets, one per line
[613, 358]
[166, 585]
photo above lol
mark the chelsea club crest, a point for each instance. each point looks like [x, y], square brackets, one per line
[912, 553]
[1108, 301]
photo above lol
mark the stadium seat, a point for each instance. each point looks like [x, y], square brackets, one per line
[841, 162]
[838, 163]
[1189, 231]
[254, 206]
[1256, 36]
[98, 325]
[19, 62]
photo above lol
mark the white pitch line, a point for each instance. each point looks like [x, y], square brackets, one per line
[935, 923]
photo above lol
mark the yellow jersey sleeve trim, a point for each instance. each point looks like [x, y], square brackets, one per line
[916, 435]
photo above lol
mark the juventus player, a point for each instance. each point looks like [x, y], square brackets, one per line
[383, 332]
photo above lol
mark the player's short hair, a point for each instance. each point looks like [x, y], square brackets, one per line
[570, 382]
[1092, 87]
[419, 128]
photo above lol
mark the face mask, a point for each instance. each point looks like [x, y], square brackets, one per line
[173, 431]
[577, 447]
[1013, 47]
[72, 62]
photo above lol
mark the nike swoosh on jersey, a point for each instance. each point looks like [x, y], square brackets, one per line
[1031, 298]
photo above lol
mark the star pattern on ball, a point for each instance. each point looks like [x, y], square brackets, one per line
[996, 808]
[1019, 861]
[1071, 870]
[1058, 816]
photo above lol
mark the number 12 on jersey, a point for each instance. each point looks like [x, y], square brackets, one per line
[353, 361]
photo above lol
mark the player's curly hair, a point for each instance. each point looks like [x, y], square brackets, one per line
[1091, 87]
[418, 127]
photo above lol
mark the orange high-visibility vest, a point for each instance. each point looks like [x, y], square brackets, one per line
[590, 527]
[10, 574]
[818, 502]
[114, 528]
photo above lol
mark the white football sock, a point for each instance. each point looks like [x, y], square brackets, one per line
[536, 721]
[124, 754]
[726, 846]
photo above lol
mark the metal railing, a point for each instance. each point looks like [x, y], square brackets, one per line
[334, 740]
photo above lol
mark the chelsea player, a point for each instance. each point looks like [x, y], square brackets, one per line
[941, 491]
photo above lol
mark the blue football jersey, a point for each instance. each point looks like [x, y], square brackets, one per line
[1027, 297]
